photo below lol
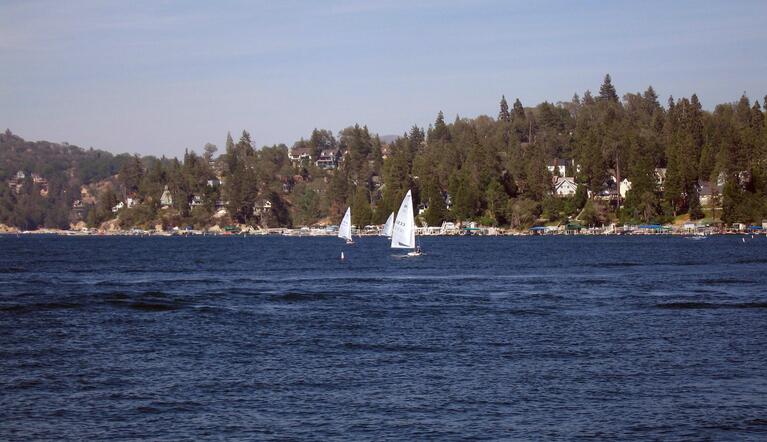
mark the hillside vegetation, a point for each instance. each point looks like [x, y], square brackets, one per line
[673, 160]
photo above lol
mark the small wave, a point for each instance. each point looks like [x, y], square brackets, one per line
[172, 406]
[752, 261]
[711, 305]
[724, 281]
[38, 307]
[147, 301]
[616, 264]
[300, 297]
[390, 347]
[13, 270]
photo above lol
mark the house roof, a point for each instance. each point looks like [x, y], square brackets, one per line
[559, 181]
[298, 151]
[560, 162]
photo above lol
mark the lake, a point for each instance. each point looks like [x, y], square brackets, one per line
[481, 338]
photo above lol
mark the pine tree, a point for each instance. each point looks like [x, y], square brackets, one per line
[504, 114]
[607, 91]
[361, 211]
[440, 132]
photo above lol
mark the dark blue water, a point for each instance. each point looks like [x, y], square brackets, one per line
[483, 338]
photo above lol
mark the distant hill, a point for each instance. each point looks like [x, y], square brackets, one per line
[388, 138]
[65, 162]
[40, 180]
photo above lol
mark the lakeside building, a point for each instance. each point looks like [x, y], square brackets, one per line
[624, 187]
[300, 154]
[562, 167]
[166, 200]
[564, 186]
[328, 159]
[16, 183]
[262, 207]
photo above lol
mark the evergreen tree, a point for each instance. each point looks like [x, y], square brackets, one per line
[607, 90]
[504, 114]
[361, 211]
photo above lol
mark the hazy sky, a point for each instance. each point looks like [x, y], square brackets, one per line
[161, 76]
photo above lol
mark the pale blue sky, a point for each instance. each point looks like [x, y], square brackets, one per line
[156, 77]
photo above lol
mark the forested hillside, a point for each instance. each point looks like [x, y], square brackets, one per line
[594, 159]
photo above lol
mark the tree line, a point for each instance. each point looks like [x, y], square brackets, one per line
[489, 169]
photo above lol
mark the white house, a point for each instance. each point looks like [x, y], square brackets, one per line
[559, 166]
[564, 186]
[262, 207]
[328, 159]
[300, 154]
[119, 206]
[624, 187]
[166, 200]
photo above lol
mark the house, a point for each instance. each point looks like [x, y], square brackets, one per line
[215, 182]
[558, 166]
[299, 154]
[166, 200]
[660, 177]
[41, 182]
[609, 190]
[564, 186]
[624, 187]
[17, 181]
[328, 159]
[262, 207]
[708, 192]
[78, 211]
[195, 201]
[386, 151]
[118, 207]
[131, 202]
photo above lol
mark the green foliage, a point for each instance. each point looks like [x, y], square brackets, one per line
[361, 211]
[522, 212]
[490, 169]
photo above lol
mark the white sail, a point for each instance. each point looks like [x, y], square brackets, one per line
[345, 229]
[403, 233]
[387, 228]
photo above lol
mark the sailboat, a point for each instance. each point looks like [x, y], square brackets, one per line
[345, 229]
[403, 232]
[387, 228]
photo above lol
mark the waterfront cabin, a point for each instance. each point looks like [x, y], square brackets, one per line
[300, 154]
[328, 159]
[262, 207]
[564, 186]
[166, 199]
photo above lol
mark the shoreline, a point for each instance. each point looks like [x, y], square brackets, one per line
[303, 233]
